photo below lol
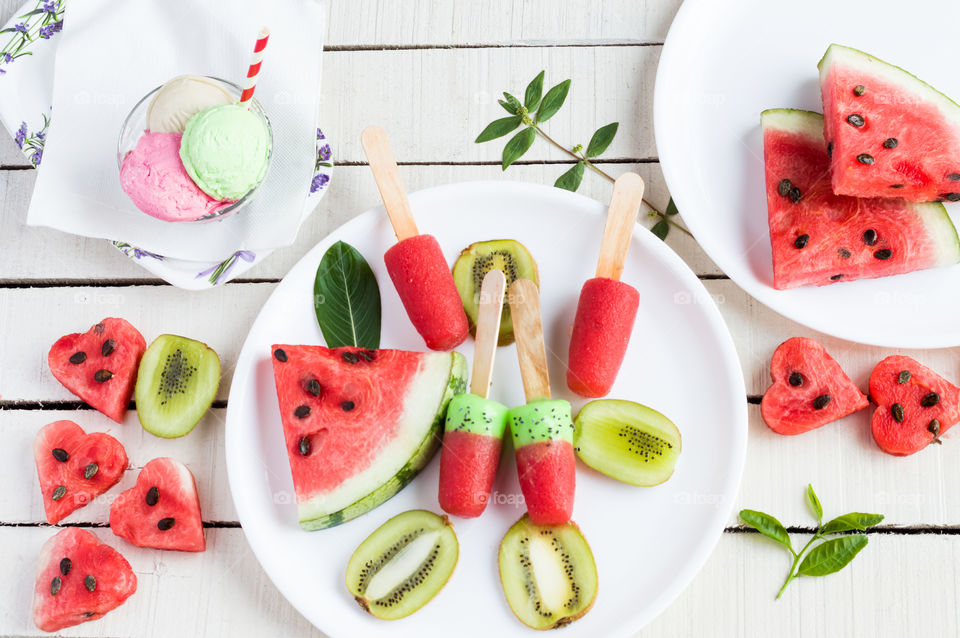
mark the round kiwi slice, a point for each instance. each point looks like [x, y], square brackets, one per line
[548, 573]
[476, 261]
[402, 565]
[627, 441]
[176, 383]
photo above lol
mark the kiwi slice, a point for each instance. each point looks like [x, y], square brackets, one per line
[476, 261]
[627, 441]
[548, 573]
[402, 565]
[176, 383]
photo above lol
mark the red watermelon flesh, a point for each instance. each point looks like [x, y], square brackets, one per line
[162, 510]
[809, 389]
[468, 467]
[892, 134]
[75, 467]
[915, 405]
[78, 579]
[820, 238]
[100, 365]
[359, 424]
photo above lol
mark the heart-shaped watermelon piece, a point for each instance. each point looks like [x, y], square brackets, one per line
[100, 365]
[75, 467]
[79, 579]
[809, 389]
[162, 510]
[915, 405]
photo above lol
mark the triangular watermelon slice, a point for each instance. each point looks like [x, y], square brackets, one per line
[820, 238]
[359, 424]
[890, 133]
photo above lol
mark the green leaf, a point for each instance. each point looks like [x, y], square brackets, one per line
[552, 101]
[498, 128]
[850, 522]
[531, 98]
[571, 179]
[767, 525]
[517, 146]
[671, 208]
[601, 139]
[661, 229]
[346, 298]
[514, 104]
[814, 501]
[506, 107]
[832, 556]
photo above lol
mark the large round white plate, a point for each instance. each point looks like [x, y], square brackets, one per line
[648, 542]
[725, 62]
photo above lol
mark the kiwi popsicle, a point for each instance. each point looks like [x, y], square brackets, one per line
[475, 424]
[607, 307]
[415, 263]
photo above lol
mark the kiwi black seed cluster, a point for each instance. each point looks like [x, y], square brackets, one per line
[643, 444]
[411, 582]
[529, 583]
[373, 566]
[175, 377]
[495, 260]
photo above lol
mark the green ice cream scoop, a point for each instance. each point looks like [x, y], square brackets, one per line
[226, 150]
[541, 420]
[471, 413]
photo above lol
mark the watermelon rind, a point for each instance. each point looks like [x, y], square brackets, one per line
[933, 215]
[315, 514]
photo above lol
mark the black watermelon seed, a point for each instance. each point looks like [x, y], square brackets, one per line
[884, 253]
[60, 454]
[304, 446]
[870, 237]
[65, 566]
[90, 582]
[366, 355]
[55, 585]
[302, 411]
[153, 496]
[166, 524]
[856, 119]
[896, 185]
[795, 195]
[108, 347]
[90, 471]
[280, 355]
[98, 328]
[951, 197]
[830, 149]
[865, 158]
[796, 379]
[844, 253]
[313, 387]
[347, 405]
[784, 187]
[78, 357]
[801, 241]
[859, 90]
[934, 427]
[59, 493]
[896, 411]
[903, 377]
[930, 399]
[350, 357]
[102, 376]
[90, 614]
[821, 402]
[837, 277]
[890, 142]
[953, 177]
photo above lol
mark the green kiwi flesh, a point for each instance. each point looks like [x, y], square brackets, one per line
[476, 261]
[548, 573]
[176, 383]
[402, 565]
[627, 441]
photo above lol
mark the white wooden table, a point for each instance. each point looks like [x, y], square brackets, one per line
[429, 71]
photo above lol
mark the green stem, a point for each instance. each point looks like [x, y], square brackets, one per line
[796, 561]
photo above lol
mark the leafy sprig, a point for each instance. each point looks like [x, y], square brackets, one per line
[536, 109]
[828, 557]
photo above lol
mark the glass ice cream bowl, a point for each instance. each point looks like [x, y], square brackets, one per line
[159, 187]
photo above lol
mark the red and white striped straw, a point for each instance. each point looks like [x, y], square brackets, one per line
[254, 69]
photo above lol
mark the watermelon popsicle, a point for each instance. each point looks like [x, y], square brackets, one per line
[416, 264]
[607, 307]
[475, 424]
[542, 429]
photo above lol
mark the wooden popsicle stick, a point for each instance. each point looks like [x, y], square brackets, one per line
[528, 330]
[488, 331]
[621, 219]
[376, 146]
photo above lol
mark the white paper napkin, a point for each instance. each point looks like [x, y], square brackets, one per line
[113, 53]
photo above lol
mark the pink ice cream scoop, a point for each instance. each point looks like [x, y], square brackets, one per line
[154, 178]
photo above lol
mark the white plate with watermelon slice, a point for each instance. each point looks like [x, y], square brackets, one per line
[725, 62]
[648, 542]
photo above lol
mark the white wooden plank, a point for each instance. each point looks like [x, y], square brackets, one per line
[201, 451]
